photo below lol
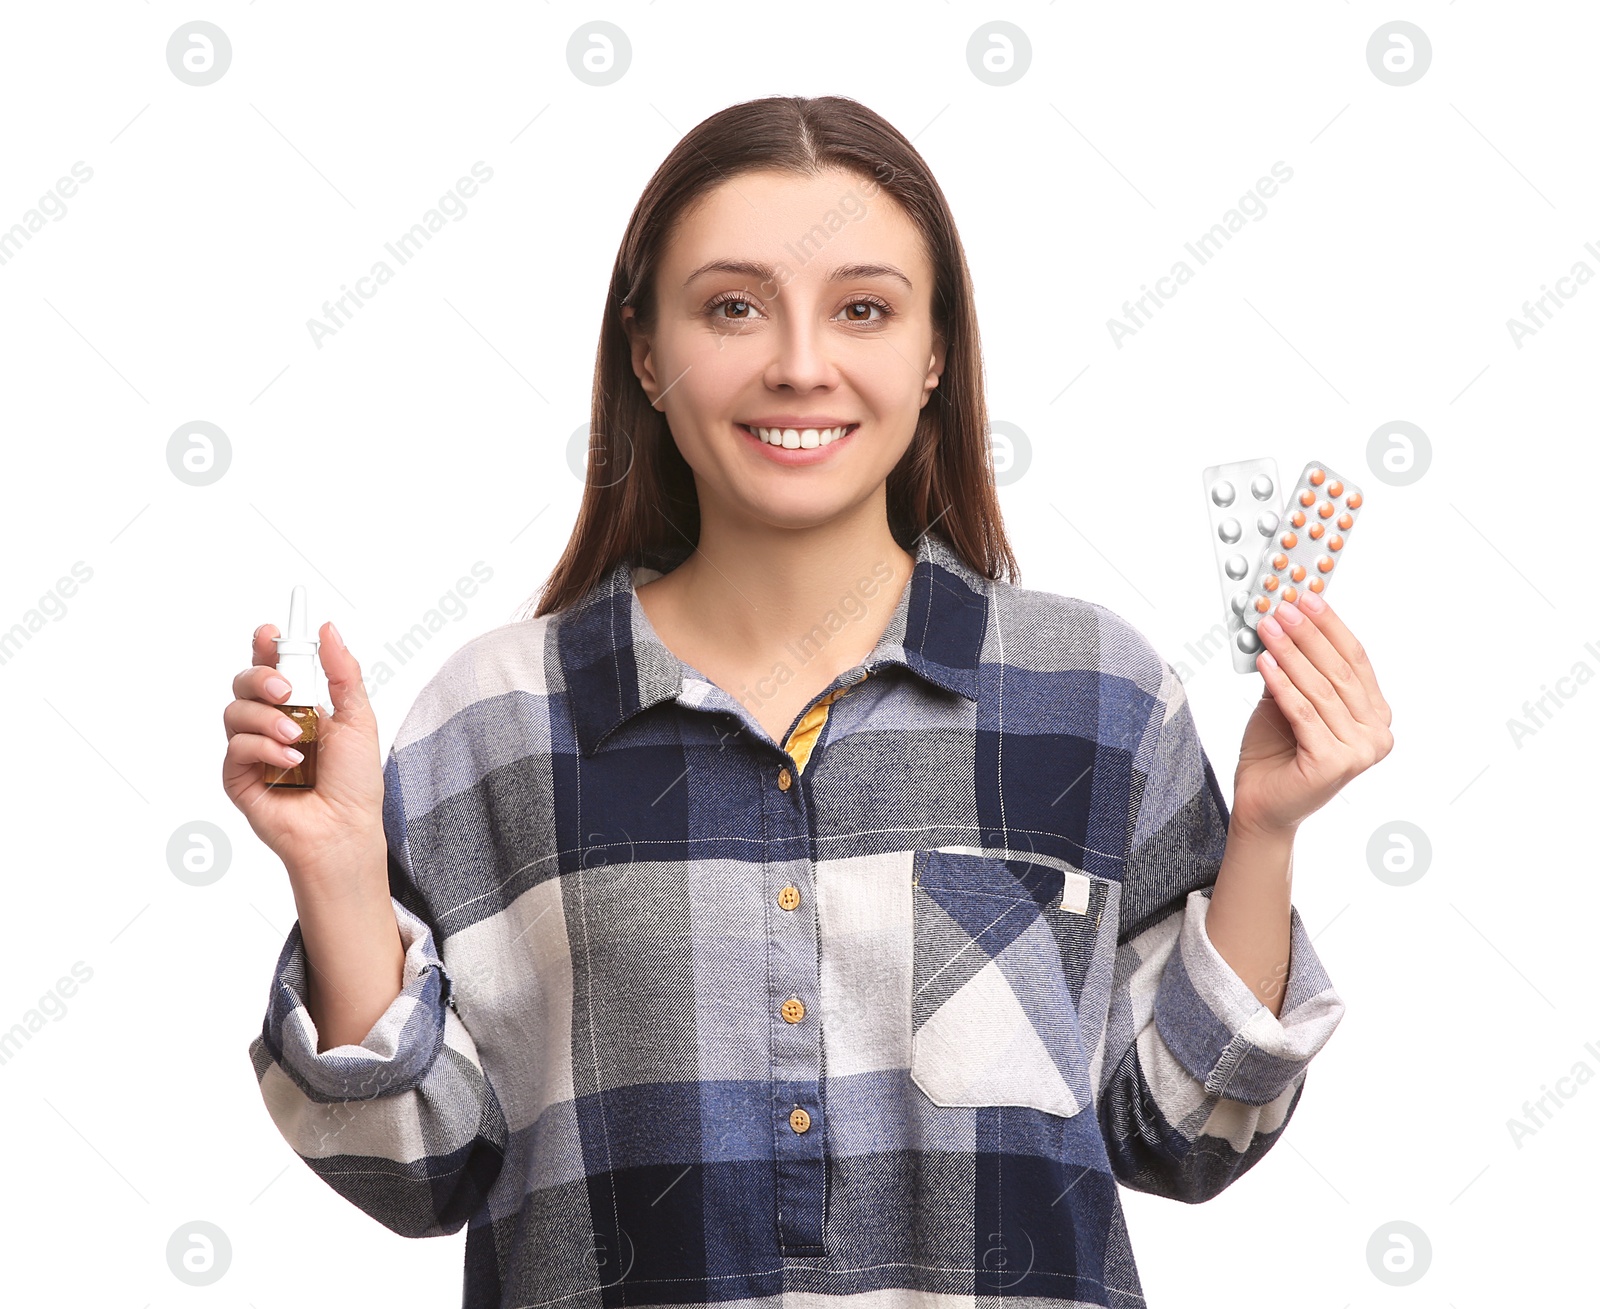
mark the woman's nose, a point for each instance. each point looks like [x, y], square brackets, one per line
[801, 359]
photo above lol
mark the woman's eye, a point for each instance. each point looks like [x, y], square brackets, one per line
[860, 311]
[739, 310]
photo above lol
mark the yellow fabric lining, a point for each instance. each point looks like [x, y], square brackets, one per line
[808, 729]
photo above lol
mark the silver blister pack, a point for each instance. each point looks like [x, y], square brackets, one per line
[1243, 500]
[1317, 519]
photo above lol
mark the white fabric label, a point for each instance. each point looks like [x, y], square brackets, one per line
[1075, 892]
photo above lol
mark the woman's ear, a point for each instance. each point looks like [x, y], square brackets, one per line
[935, 368]
[639, 350]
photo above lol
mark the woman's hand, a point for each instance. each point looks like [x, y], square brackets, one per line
[1321, 720]
[326, 835]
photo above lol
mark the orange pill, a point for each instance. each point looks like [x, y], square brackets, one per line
[1336, 542]
[1270, 583]
[1308, 498]
[1289, 594]
[1325, 509]
[1280, 561]
[1316, 477]
[1315, 531]
[1262, 604]
[1288, 541]
[1335, 489]
[1325, 564]
[1297, 518]
[1344, 521]
[1298, 573]
[1354, 501]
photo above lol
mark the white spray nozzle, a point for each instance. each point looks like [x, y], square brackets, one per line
[297, 653]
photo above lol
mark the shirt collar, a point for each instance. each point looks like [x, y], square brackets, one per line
[616, 666]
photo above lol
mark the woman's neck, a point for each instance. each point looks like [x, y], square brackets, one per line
[751, 596]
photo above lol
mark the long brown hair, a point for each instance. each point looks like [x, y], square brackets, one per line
[639, 498]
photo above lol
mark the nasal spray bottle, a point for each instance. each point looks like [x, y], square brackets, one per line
[297, 665]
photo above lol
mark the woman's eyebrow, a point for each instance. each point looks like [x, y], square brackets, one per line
[756, 270]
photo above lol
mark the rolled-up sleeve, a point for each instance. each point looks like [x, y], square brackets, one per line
[1198, 1076]
[405, 1125]
[1220, 1030]
[398, 1051]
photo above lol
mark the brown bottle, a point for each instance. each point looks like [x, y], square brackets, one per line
[303, 775]
[297, 665]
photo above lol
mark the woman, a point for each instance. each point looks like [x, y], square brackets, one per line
[791, 903]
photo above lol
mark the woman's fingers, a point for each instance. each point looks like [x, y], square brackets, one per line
[261, 681]
[257, 688]
[264, 645]
[1305, 720]
[258, 748]
[1332, 684]
[1318, 671]
[261, 684]
[257, 718]
[1342, 639]
[340, 667]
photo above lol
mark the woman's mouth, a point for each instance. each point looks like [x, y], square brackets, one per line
[798, 438]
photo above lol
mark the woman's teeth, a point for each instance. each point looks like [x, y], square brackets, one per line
[803, 438]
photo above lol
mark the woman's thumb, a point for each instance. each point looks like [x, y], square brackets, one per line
[340, 667]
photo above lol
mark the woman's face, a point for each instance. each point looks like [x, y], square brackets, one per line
[788, 302]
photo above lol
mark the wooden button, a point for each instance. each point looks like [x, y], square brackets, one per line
[800, 1120]
[793, 1011]
[784, 780]
[789, 898]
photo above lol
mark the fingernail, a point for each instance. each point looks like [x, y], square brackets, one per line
[293, 753]
[334, 633]
[1288, 615]
[277, 687]
[1312, 601]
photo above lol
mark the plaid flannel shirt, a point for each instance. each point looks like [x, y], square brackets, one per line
[693, 1017]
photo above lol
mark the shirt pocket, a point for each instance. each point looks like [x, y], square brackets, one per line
[1002, 952]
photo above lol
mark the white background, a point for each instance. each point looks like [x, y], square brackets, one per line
[431, 433]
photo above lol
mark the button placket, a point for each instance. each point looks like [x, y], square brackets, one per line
[796, 1042]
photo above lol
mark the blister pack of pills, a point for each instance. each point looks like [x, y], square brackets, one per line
[1317, 520]
[1243, 500]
